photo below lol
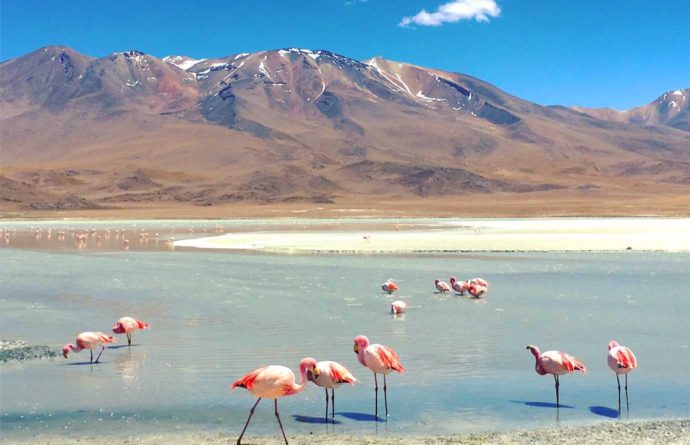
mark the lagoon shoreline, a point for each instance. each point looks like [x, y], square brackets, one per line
[669, 432]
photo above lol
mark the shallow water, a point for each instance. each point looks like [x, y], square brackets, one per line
[217, 315]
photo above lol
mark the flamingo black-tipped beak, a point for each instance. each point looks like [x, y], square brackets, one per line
[356, 348]
[64, 354]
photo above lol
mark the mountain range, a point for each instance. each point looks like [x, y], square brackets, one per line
[299, 126]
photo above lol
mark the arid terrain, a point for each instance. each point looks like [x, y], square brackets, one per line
[298, 132]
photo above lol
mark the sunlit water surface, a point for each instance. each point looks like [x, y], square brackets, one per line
[217, 315]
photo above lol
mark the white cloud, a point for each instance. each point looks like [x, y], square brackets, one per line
[457, 10]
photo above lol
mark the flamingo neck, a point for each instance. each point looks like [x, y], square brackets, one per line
[75, 348]
[297, 388]
[537, 357]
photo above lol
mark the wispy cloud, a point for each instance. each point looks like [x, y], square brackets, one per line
[454, 11]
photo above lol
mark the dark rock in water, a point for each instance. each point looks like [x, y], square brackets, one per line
[20, 351]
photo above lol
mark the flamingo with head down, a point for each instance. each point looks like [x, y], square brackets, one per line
[556, 363]
[459, 286]
[328, 374]
[272, 382]
[127, 325]
[398, 307]
[90, 341]
[442, 286]
[390, 287]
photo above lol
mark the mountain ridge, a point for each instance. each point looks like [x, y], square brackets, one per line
[296, 125]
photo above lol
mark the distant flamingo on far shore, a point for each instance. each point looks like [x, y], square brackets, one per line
[271, 382]
[127, 325]
[90, 341]
[555, 363]
[621, 360]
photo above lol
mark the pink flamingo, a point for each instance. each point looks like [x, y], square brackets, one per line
[459, 286]
[328, 374]
[556, 363]
[381, 360]
[90, 341]
[480, 281]
[273, 382]
[390, 287]
[621, 360]
[398, 307]
[476, 290]
[127, 325]
[442, 286]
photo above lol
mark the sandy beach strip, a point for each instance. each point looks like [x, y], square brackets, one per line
[668, 432]
[587, 234]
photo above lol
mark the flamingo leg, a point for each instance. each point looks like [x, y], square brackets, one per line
[279, 422]
[251, 413]
[558, 401]
[332, 404]
[326, 389]
[376, 397]
[99, 355]
[385, 395]
[619, 394]
[91, 351]
[627, 404]
[129, 339]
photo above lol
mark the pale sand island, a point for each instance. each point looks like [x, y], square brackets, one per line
[668, 432]
[576, 234]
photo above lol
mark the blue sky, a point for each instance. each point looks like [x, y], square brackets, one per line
[616, 53]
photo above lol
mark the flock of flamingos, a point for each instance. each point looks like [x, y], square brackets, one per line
[277, 381]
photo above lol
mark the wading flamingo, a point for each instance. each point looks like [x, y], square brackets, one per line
[90, 341]
[442, 286]
[480, 281]
[459, 286]
[621, 361]
[555, 363]
[127, 325]
[398, 307]
[476, 290]
[381, 360]
[328, 374]
[272, 382]
[389, 286]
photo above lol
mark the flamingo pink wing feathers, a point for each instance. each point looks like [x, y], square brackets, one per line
[248, 380]
[389, 358]
[625, 357]
[340, 374]
[571, 363]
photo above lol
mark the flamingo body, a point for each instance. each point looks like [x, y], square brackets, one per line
[621, 359]
[390, 287]
[127, 325]
[555, 363]
[380, 359]
[459, 286]
[398, 307]
[273, 382]
[90, 341]
[442, 286]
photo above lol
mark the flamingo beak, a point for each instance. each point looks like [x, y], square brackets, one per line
[356, 348]
[64, 354]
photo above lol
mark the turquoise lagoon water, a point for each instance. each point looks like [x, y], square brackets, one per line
[218, 315]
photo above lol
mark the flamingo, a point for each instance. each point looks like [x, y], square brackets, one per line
[459, 286]
[390, 287]
[621, 360]
[442, 286]
[273, 382]
[556, 363]
[127, 325]
[476, 289]
[90, 341]
[398, 307]
[328, 374]
[381, 360]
